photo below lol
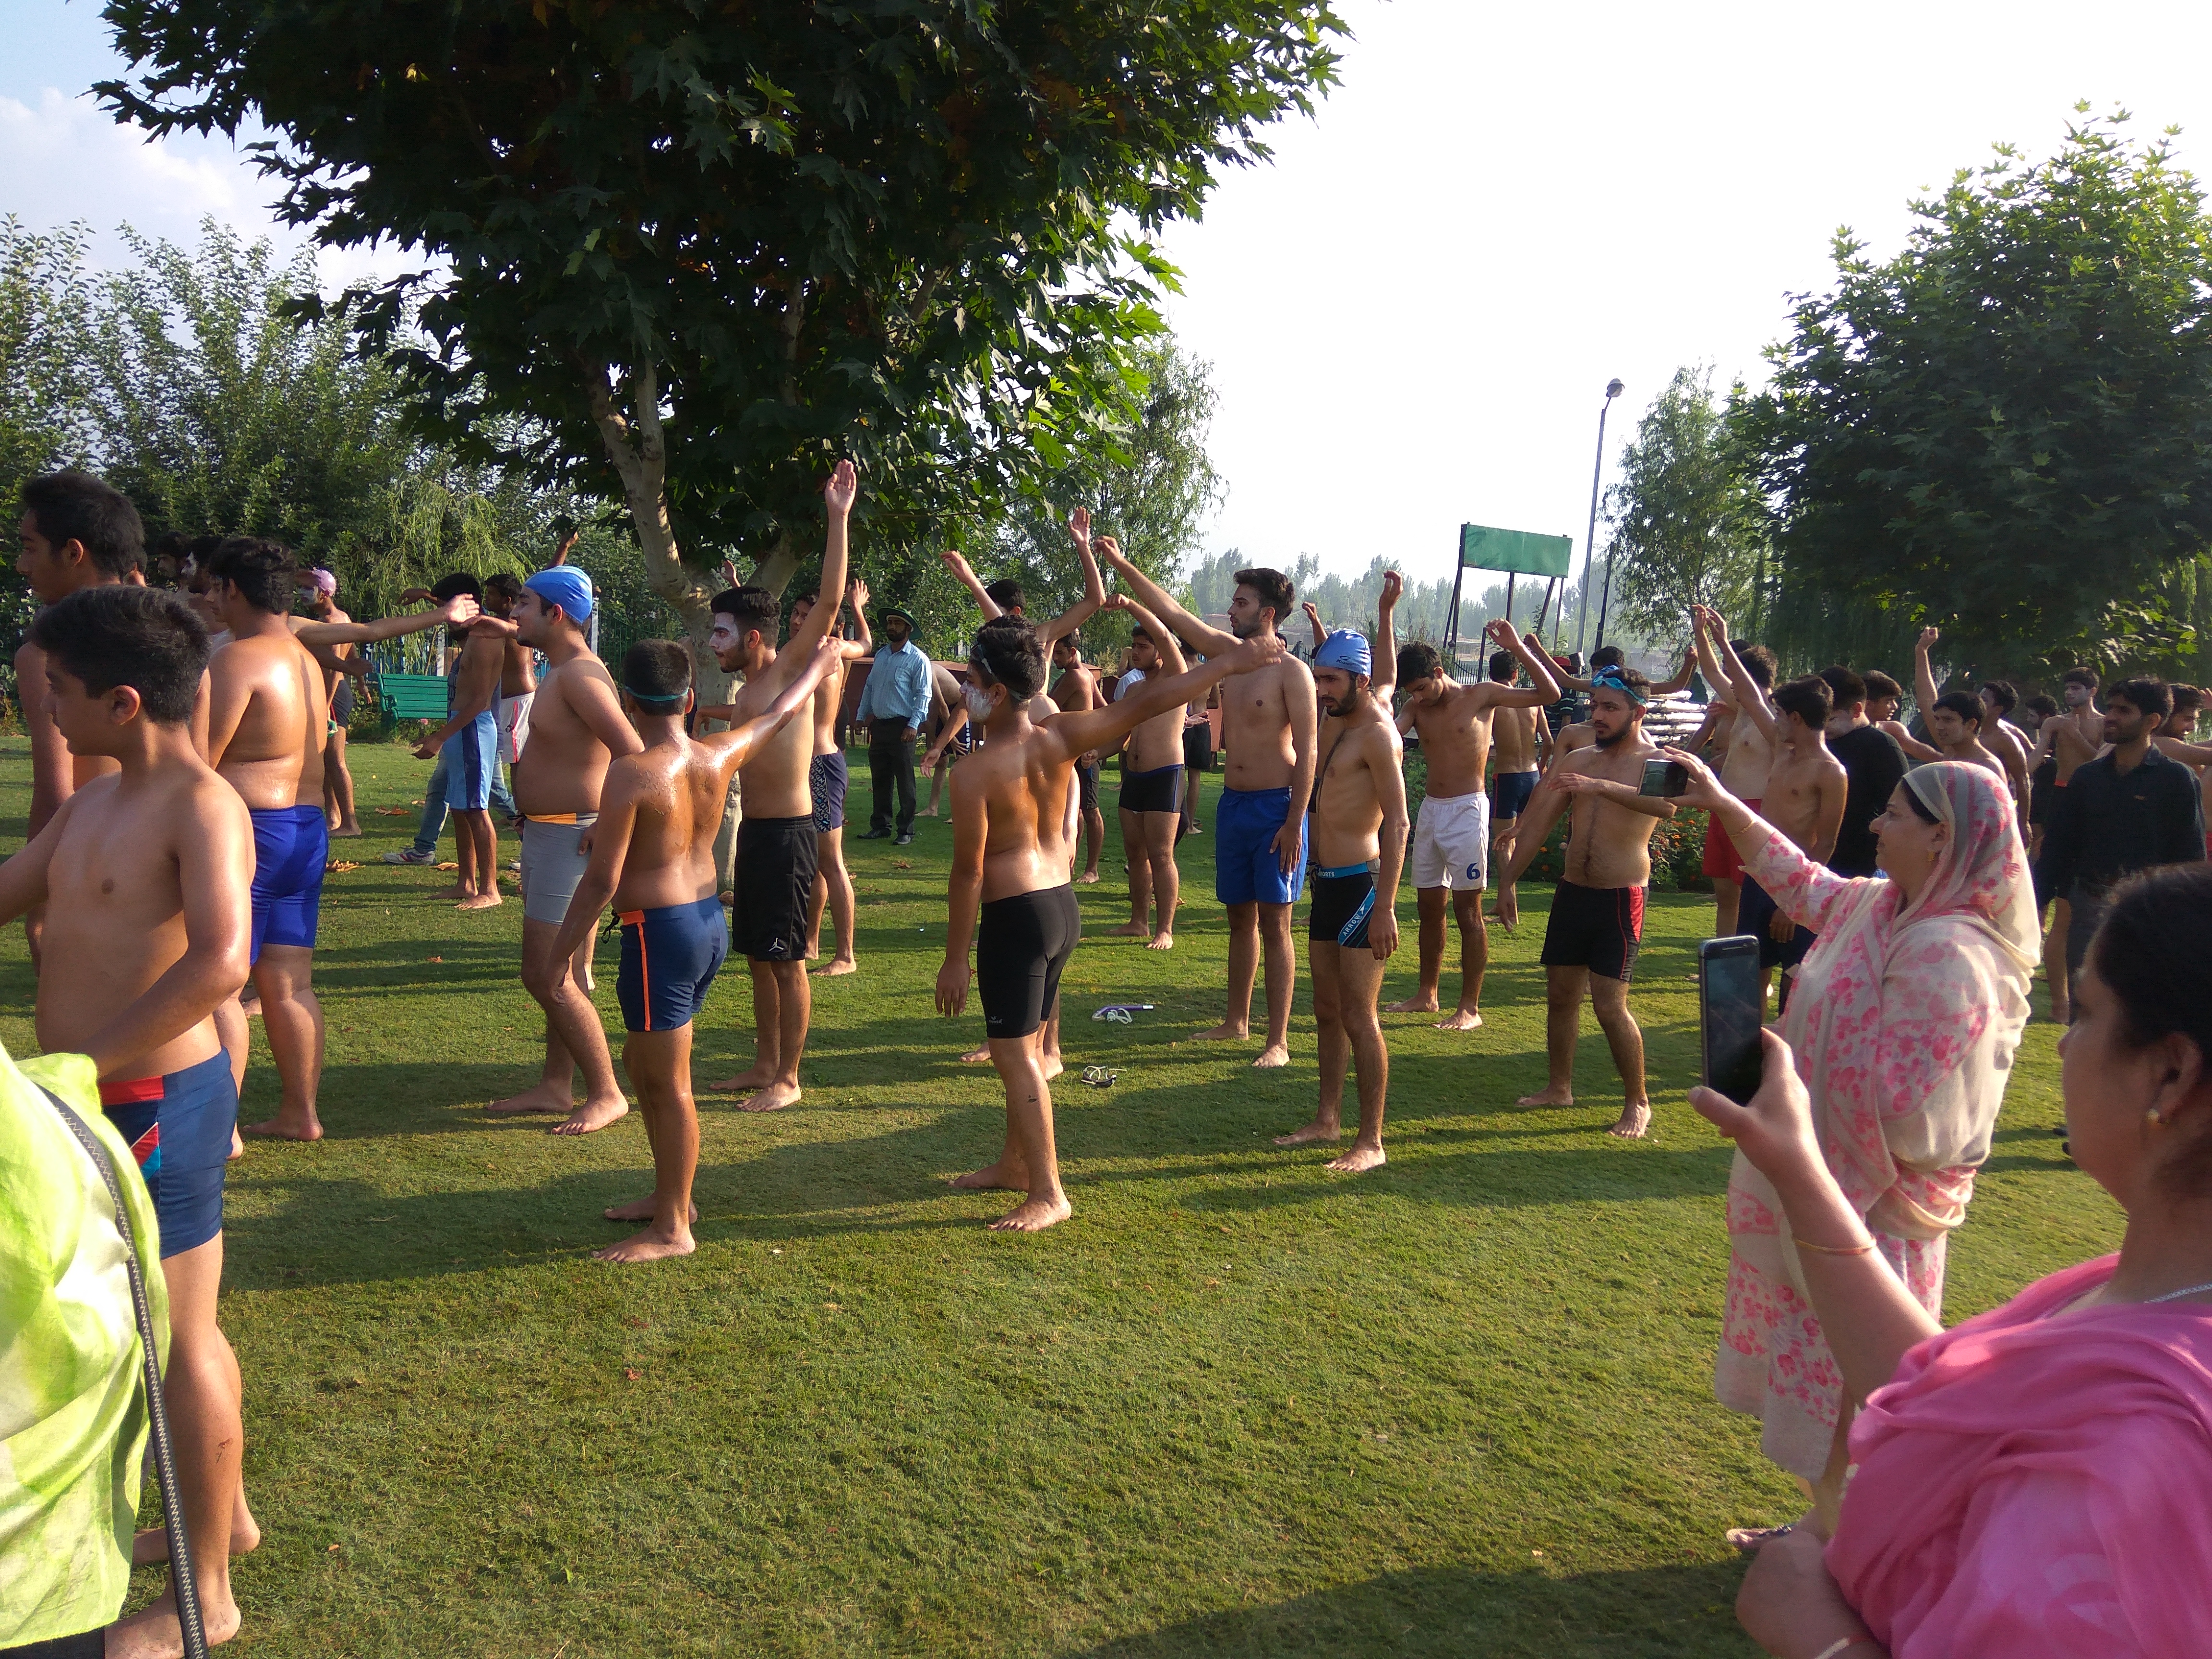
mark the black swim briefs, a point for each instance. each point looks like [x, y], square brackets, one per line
[1343, 904]
[1159, 790]
[776, 862]
[1599, 928]
[1022, 945]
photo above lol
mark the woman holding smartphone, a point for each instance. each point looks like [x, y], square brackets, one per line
[2039, 1479]
[1903, 1022]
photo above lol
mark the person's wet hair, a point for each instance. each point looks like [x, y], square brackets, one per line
[2045, 706]
[1963, 704]
[1758, 661]
[1005, 593]
[1138, 631]
[751, 608]
[1271, 588]
[262, 570]
[1004, 652]
[2000, 693]
[2142, 952]
[74, 507]
[1607, 656]
[146, 638]
[1416, 660]
[1879, 684]
[1843, 686]
[454, 585]
[505, 585]
[1806, 697]
[2146, 696]
[1504, 668]
[2079, 676]
[657, 674]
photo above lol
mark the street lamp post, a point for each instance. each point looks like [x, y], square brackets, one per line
[1612, 389]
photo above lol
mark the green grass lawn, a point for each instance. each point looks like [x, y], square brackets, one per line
[1236, 1406]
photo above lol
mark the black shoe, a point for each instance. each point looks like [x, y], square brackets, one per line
[906, 839]
[876, 835]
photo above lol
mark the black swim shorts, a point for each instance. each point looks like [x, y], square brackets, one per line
[1159, 790]
[1343, 904]
[776, 862]
[1600, 928]
[1087, 777]
[1021, 946]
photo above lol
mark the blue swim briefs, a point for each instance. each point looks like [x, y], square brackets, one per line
[1510, 794]
[471, 766]
[669, 960]
[178, 1127]
[1245, 868]
[291, 844]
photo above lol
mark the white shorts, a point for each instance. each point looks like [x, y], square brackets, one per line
[514, 726]
[1451, 842]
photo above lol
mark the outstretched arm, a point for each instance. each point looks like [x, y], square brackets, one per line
[1163, 638]
[1681, 680]
[1094, 585]
[1749, 697]
[837, 497]
[454, 613]
[1545, 690]
[734, 747]
[865, 644]
[1383, 682]
[953, 561]
[1103, 728]
[1202, 639]
[1320, 628]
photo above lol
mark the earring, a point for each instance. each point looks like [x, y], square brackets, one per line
[2152, 1116]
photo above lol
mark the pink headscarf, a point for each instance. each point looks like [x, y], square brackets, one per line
[323, 581]
[1889, 1006]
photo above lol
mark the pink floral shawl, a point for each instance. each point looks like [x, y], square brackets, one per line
[1904, 1020]
[2029, 1485]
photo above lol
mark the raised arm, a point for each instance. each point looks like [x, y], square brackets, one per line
[1804, 889]
[1749, 698]
[1383, 682]
[734, 747]
[1102, 728]
[1094, 586]
[1681, 680]
[1702, 618]
[1545, 691]
[1206, 641]
[837, 497]
[456, 612]
[857, 591]
[1313, 617]
[1923, 677]
[952, 560]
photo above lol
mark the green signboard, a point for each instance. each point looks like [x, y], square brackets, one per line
[1482, 548]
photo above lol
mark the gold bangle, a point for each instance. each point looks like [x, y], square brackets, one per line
[1835, 1648]
[1830, 1249]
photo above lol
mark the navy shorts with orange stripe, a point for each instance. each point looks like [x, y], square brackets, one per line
[669, 960]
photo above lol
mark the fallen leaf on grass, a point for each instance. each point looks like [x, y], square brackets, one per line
[900, 864]
[333, 1550]
[339, 867]
[633, 1375]
[394, 812]
[449, 865]
[433, 959]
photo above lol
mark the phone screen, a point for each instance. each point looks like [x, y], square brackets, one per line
[1728, 972]
[1665, 779]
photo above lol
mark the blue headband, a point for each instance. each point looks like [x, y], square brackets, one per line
[1608, 679]
[1347, 650]
[566, 586]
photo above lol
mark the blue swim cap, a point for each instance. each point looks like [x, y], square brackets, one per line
[566, 586]
[1347, 650]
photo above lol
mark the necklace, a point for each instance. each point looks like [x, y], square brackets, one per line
[2176, 1296]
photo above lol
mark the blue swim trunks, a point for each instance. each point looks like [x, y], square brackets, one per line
[472, 763]
[291, 844]
[1245, 868]
[1510, 794]
[178, 1129]
[669, 960]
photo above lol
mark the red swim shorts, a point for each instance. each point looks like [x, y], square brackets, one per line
[1721, 861]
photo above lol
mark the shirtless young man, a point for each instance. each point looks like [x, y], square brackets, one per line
[76, 531]
[947, 733]
[1520, 745]
[517, 667]
[1153, 783]
[1956, 720]
[2070, 739]
[471, 728]
[1358, 851]
[1452, 840]
[144, 870]
[652, 856]
[1268, 726]
[776, 851]
[266, 724]
[1806, 788]
[1011, 854]
[577, 728]
[1597, 922]
[1074, 692]
[827, 782]
[2003, 739]
[338, 700]
[1743, 766]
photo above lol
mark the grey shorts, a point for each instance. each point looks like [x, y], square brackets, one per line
[552, 864]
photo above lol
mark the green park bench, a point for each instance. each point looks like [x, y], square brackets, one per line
[410, 697]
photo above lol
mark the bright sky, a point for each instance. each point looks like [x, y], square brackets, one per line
[1412, 314]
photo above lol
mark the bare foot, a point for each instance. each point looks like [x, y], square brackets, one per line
[1319, 1129]
[744, 1082]
[976, 1056]
[154, 1633]
[480, 902]
[1129, 930]
[638, 1209]
[1052, 1066]
[1227, 1031]
[927, 813]
[456, 891]
[152, 1543]
[237, 1146]
[345, 832]
[545, 1098]
[1358, 1161]
[1035, 1216]
[1548, 1097]
[1421, 1002]
[774, 1098]
[650, 1245]
[1635, 1120]
[1275, 1053]
[1462, 1019]
[836, 965]
[591, 1115]
[1082, 880]
[1162, 942]
[277, 1128]
[1007, 1174]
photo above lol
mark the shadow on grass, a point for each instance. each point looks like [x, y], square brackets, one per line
[1660, 1611]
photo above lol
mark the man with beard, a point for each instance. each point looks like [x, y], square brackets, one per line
[1358, 850]
[2130, 808]
[577, 730]
[894, 707]
[1259, 826]
[1596, 923]
[777, 846]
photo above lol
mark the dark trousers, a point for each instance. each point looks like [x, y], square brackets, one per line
[891, 762]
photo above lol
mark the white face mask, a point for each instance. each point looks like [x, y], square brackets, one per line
[980, 702]
[724, 636]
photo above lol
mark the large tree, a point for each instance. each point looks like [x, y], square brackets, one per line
[1687, 526]
[704, 248]
[2007, 429]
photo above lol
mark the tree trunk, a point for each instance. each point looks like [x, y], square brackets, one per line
[775, 571]
[636, 446]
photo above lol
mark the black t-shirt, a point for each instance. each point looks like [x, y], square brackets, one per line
[1873, 766]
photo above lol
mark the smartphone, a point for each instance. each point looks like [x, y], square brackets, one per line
[1664, 778]
[1730, 1012]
